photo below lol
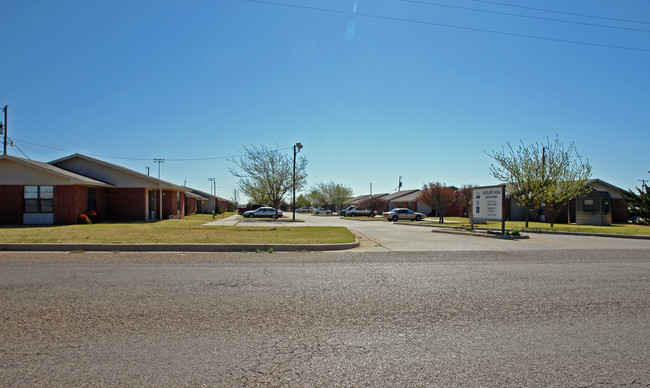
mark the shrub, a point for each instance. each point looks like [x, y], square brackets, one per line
[94, 217]
[83, 219]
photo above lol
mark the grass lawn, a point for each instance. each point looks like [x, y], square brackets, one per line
[520, 225]
[188, 230]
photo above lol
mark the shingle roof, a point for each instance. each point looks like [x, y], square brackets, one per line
[153, 180]
[74, 178]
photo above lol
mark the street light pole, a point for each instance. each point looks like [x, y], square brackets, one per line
[160, 161]
[4, 130]
[296, 148]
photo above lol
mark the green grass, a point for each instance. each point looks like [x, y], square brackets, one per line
[188, 230]
[628, 228]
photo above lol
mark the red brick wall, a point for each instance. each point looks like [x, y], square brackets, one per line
[11, 205]
[69, 203]
[123, 204]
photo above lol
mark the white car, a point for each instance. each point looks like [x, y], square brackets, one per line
[322, 211]
[264, 211]
[403, 214]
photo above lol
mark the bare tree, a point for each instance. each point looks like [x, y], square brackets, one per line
[235, 198]
[375, 204]
[266, 174]
[438, 196]
[464, 197]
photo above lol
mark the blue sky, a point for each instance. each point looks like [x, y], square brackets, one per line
[373, 89]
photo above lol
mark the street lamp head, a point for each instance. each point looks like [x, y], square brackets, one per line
[299, 146]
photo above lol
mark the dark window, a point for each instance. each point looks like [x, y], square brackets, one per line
[588, 205]
[606, 206]
[39, 199]
[92, 199]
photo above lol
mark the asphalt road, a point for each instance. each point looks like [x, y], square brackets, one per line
[451, 318]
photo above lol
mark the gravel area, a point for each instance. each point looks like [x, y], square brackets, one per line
[528, 318]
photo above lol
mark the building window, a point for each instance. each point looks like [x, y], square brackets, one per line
[606, 206]
[588, 205]
[39, 199]
[92, 199]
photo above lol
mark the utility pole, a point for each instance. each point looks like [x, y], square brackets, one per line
[147, 167]
[296, 148]
[371, 189]
[399, 186]
[213, 184]
[643, 181]
[160, 161]
[4, 129]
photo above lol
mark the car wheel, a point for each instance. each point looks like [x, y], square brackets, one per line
[395, 218]
[418, 218]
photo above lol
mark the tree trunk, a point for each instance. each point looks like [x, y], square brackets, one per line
[526, 218]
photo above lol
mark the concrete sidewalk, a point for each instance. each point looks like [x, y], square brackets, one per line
[228, 221]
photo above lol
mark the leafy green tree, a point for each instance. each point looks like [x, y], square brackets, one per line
[439, 197]
[316, 198]
[566, 173]
[302, 201]
[266, 174]
[522, 170]
[332, 194]
[541, 173]
[639, 204]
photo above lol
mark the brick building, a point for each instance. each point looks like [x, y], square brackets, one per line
[58, 192]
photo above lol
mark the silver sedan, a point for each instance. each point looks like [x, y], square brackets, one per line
[403, 214]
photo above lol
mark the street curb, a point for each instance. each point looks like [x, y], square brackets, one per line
[629, 236]
[65, 247]
[612, 235]
[485, 235]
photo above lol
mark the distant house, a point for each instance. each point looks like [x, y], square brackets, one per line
[58, 192]
[211, 202]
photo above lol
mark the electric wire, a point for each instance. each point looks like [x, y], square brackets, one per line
[475, 29]
[562, 12]
[141, 159]
[523, 16]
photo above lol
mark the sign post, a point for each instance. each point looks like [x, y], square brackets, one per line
[488, 204]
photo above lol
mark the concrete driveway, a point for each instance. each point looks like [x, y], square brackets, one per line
[385, 236]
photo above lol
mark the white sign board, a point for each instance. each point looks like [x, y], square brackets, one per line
[487, 202]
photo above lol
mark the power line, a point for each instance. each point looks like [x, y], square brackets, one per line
[562, 12]
[523, 16]
[46, 128]
[450, 26]
[141, 159]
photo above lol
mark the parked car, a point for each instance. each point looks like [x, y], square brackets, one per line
[242, 210]
[342, 212]
[322, 211]
[262, 212]
[403, 214]
[356, 212]
[302, 210]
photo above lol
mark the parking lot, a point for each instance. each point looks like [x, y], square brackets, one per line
[384, 236]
